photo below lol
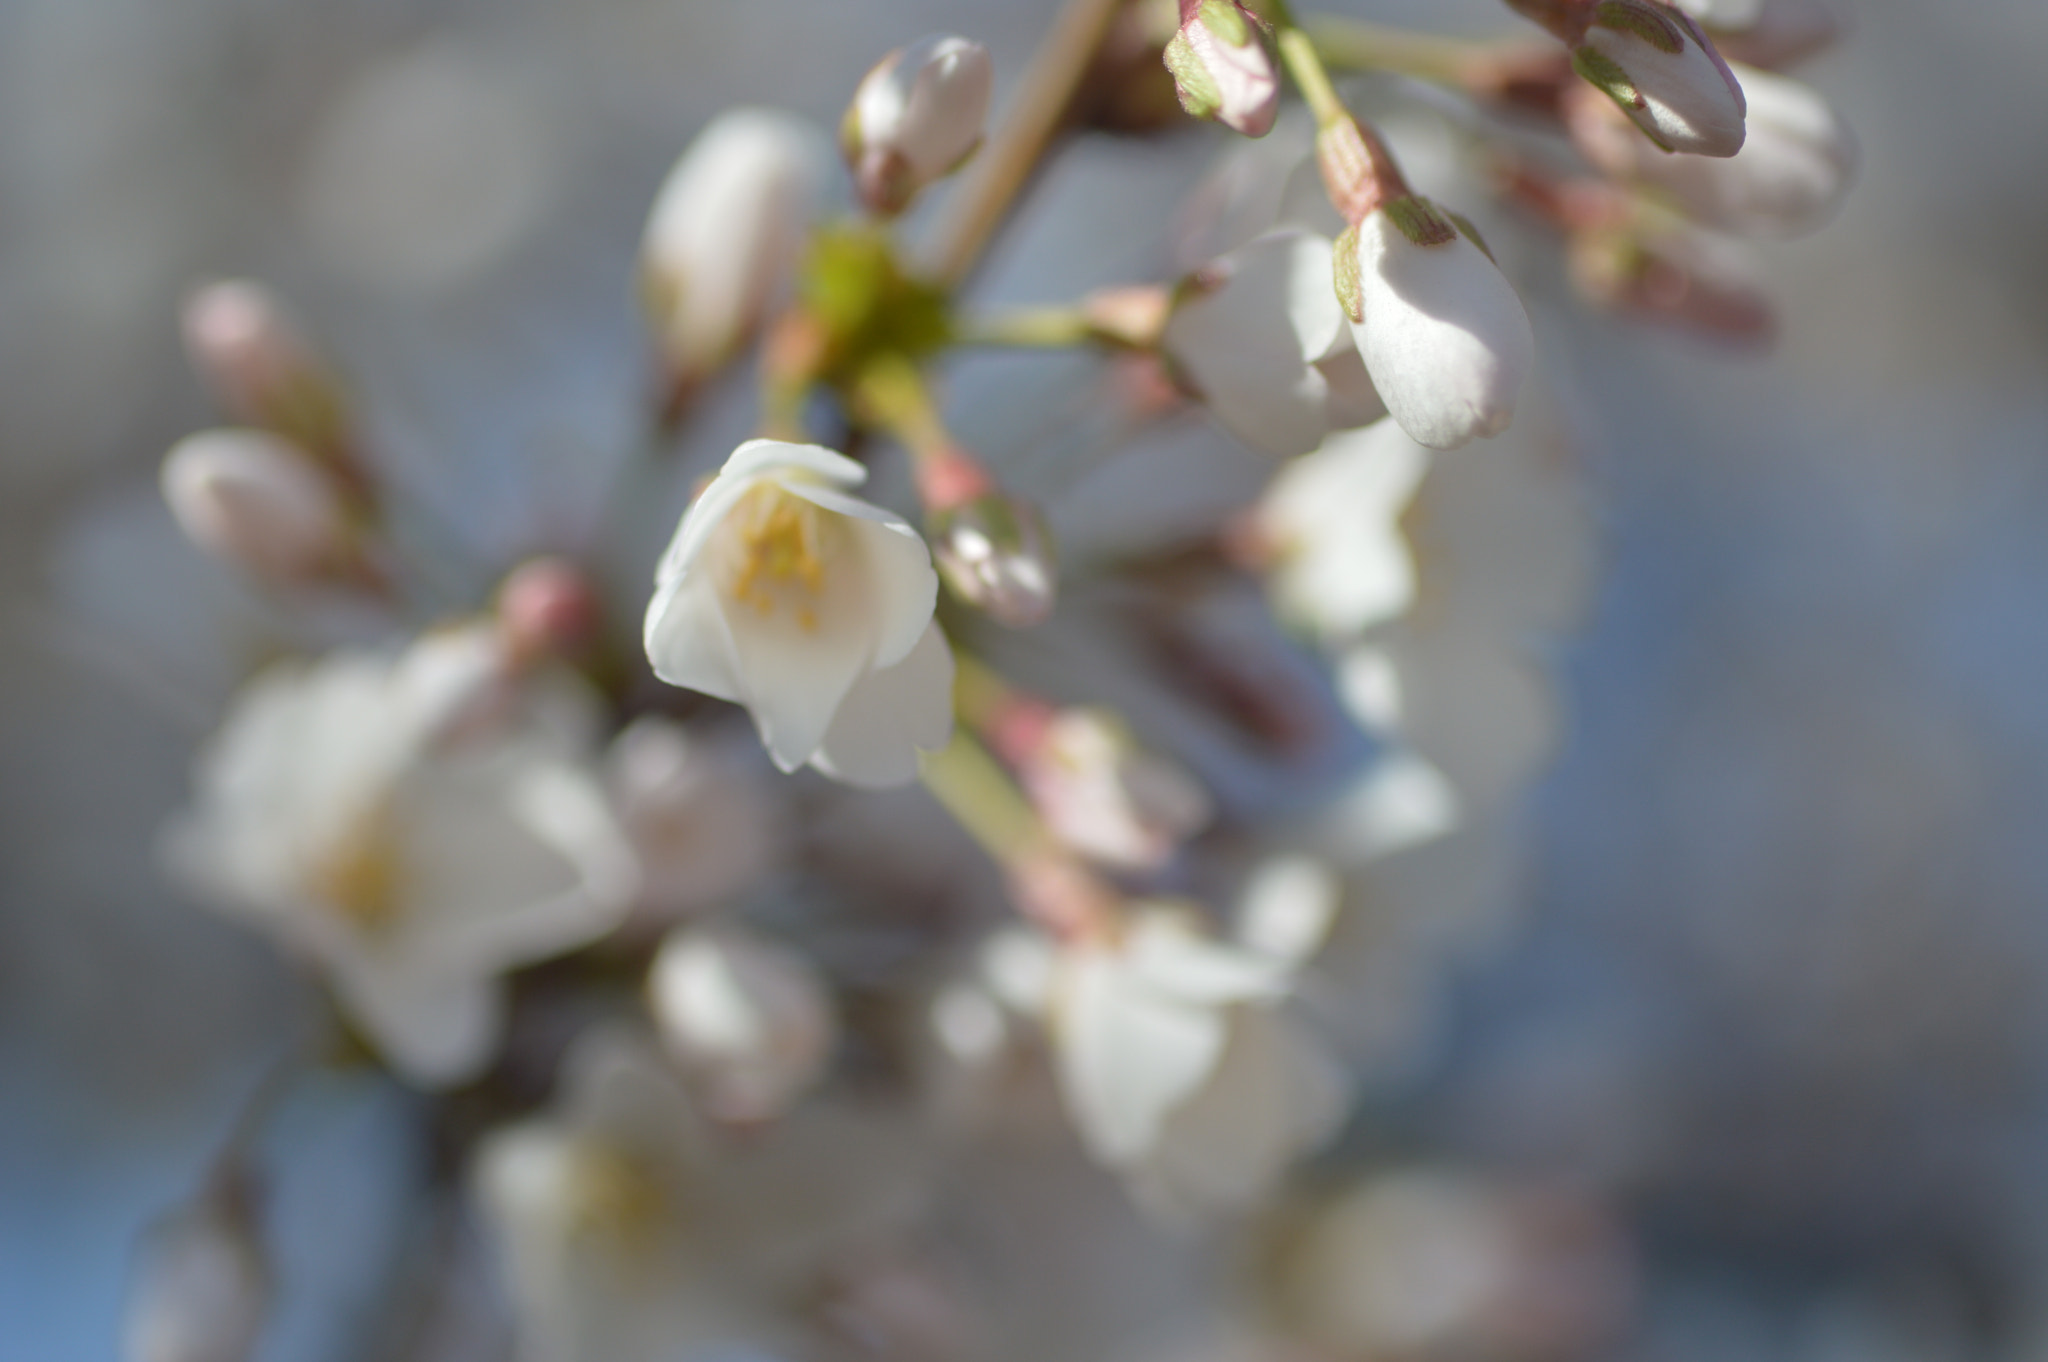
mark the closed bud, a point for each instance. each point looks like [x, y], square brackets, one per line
[1683, 278]
[547, 607]
[996, 553]
[749, 1021]
[249, 349]
[259, 502]
[1655, 63]
[1789, 178]
[1784, 33]
[917, 116]
[724, 234]
[1443, 333]
[1223, 66]
[202, 1285]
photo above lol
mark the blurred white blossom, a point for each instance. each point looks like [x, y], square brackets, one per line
[750, 1022]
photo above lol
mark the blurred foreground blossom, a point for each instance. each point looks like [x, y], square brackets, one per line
[813, 609]
[414, 830]
[701, 817]
[749, 1022]
[202, 1282]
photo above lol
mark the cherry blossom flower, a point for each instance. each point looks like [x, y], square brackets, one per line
[916, 117]
[1654, 62]
[259, 502]
[414, 829]
[1331, 521]
[783, 593]
[750, 1022]
[1223, 67]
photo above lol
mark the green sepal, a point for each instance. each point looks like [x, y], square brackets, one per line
[1644, 22]
[1470, 233]
[1344, 266]
[1421, 221]
[1199, 93]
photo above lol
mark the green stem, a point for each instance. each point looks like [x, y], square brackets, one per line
[983, 799]
[1298, 54]
[1355, 45]
[1030, 327]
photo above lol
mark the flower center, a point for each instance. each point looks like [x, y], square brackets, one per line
[360, 874]
[775, 553]
[618, 1200]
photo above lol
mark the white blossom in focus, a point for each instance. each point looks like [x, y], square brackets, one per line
[1262, 337]
[1105, 796]
[1181, 1065]
[1654, 62]
[749, 1022]
[202, 1287]
[725, 231]
[414, 828]
[917, 115]
[1442, 331]
[1331, 522]
[629, 1231]
[813, 609]
[1789, 178]
[1223, 66]
[259, 502]
[701, 819]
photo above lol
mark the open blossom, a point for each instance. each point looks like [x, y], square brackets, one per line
[1653, 61]
[1442, 331]
[1104, 795]
[1262, 337]
[1223, 66]
[916, 117]
[1331, 523]
[261, 503]
[1789, 178]
[725, 231]
[415, 828]
[750, 1022]
[813, 609]
[701, 819]
[1181, 1065]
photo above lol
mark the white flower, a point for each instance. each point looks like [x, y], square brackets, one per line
[1442, 331]
[916, 117]
[261, 503]
[1105, 796]
[701, 820]
[1655, 63]
[1262, 337]
[1181, 1067]
[1788, 179]
[629, 1233]
[1223, 68]
[725, 231]
[415, 831]
[1331, 520]
[202, 1285]
[810, 607]
[749, 1021]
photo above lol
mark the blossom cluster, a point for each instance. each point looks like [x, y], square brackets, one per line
[1206, 815]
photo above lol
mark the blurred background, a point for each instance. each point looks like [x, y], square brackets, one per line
[1779, 978]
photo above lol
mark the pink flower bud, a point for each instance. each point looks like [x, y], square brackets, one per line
[251, 351]
[996, 553]
[917, 116]
[547, 607]
[724, 234]
[1442, 331]
[258, 501]
[1683, 277]
[1656, 64]
[1223, 66]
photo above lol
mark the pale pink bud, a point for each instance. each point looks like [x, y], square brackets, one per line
[725, 231]
[698, 812]
[1223, 66]
[251, 351]
[1785, 33]
[917, 116]
[548, 607]
[202, 1285]
[1789, 178]
[258, 501]
[996, 553]
[1442, 331]
[1108, 798]
[749, 1021]
[1685, 278]
[1660, 68]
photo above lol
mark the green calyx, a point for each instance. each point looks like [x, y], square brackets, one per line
[1643, 22]
[865, 304]
[1226, 21]
[1421, 221]
[1604, 74]
[1344, 263]
[1199, 93]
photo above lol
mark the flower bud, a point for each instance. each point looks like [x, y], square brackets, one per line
[1442, 331]
[724, 234]
[258, 501]
[202, 1286]
[1655, 63]
[250, 350]
[698, 812]
[1684, 278]
[749, 1021]
[1785, 33]
[547, 607]
[996, 553]
[1723, 14]
[1789, 178]
[1102, 794]
[1223, 66]
[917, 116]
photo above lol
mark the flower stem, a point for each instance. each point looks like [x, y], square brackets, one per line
[1356, 45]
[1030, 328]
[1007, 163]
[983, 799]
[1298, 53]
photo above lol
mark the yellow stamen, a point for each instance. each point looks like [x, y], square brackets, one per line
[359, 876]
[776, 553]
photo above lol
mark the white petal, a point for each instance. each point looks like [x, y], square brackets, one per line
[890, 715]
[436, 1030]
[1127, 1056]
[1444, 337]
[1288, 905]
[688, 641]
[906, 586]
[1178, 962]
